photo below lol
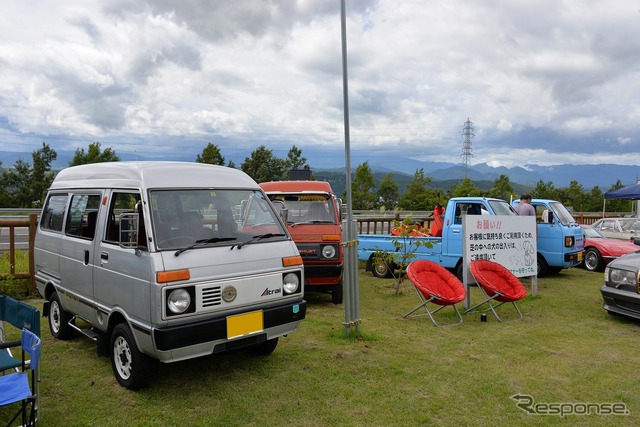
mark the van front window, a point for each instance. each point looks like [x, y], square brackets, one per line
[212, 217]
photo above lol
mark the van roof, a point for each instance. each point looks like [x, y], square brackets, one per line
[275, 187]
[151, 175]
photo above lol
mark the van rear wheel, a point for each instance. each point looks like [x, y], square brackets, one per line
[59, 319]
[130, 366]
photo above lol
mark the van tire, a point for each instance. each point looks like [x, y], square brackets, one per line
[336, 293]
[130, 366]
[59, 319]
[265, 348]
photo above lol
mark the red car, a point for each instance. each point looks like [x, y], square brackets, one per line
[600, 250]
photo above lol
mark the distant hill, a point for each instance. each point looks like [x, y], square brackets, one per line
[330, 163]
[337, 180]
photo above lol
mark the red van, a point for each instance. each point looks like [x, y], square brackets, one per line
[313, 220]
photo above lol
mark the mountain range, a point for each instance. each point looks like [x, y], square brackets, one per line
[331, 160]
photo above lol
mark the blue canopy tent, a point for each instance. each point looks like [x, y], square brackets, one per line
[630, 192]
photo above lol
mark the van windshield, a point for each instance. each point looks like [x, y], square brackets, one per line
[212, 217]
[562, 214]
[307, 208]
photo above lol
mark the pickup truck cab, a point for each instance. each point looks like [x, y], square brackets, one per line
[560, 237]
[313, 220]
[445, 250]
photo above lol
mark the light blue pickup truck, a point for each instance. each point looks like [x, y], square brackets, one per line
[560, 242]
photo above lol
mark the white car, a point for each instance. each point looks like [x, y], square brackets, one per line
[618, 228]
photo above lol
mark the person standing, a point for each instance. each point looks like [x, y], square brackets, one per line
[525, 207]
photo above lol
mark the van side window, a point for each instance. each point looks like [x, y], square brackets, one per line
[83, 215]
[122, 202]
[53, 213]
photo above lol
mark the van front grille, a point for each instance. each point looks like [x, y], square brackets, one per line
[211, 296]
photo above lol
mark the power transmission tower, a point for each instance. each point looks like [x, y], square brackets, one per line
[466, 145]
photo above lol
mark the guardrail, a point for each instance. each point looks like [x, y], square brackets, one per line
[12, 224]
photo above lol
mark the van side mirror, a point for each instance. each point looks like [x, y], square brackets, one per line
[283, 212]
[129, 230]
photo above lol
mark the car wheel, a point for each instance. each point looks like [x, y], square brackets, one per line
[593, 260]
[59, 319]
[130, 366]
[381, 270]
[336, 293]
[542, 267]
[265, 348]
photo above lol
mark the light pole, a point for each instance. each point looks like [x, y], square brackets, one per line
[351, 297]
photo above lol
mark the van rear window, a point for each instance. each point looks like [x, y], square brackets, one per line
[53, 213]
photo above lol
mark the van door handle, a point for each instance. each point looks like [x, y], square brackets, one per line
[86, 257]
[104, 256]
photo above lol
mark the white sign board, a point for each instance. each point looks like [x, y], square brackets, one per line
[509, 240]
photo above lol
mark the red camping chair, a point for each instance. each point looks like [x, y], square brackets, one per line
[434, 283]
[497, 283]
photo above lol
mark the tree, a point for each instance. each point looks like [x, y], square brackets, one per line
[544, 190]
[418, 196]
[466, 188]
[595, 200]
[262, 166]
[93, 155]
[501, 188]
[295, 160]
[362, 189]
[617, 205]
[388, 192]
[25, 186]
[574, 196]
[211, 155]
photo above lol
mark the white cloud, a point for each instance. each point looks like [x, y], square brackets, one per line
[534, 77]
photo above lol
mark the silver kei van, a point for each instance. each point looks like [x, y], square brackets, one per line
[165, 260]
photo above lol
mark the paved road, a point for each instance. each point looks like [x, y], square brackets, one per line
[21, 238]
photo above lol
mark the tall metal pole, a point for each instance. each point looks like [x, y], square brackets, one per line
[352, 304]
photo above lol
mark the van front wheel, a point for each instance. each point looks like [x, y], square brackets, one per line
[59, 319]
[130, 366]
[265, 348]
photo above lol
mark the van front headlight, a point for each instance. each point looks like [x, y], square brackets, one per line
[178, 301]
[328, 251]
[291, 283]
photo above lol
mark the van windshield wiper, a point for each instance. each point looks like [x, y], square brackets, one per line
[257, 238]
[201, 242]
[313, 221]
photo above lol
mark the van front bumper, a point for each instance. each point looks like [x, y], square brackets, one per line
[215, 329]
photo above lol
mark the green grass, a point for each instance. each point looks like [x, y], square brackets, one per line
[401, 372]
[16, 288]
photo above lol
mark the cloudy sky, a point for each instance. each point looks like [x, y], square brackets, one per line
[544, 82]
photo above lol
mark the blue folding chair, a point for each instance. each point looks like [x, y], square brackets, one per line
[16, 387]
[24, 318]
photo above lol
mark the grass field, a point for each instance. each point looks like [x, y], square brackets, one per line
[401, 372]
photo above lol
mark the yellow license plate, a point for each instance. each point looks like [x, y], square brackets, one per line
[243, 324]
[579, 256]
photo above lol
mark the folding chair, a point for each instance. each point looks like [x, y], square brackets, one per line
[435, 284]
[15, 387]
[23, 317]
[498, 284]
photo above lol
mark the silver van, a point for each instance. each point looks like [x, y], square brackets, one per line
[167, 260]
